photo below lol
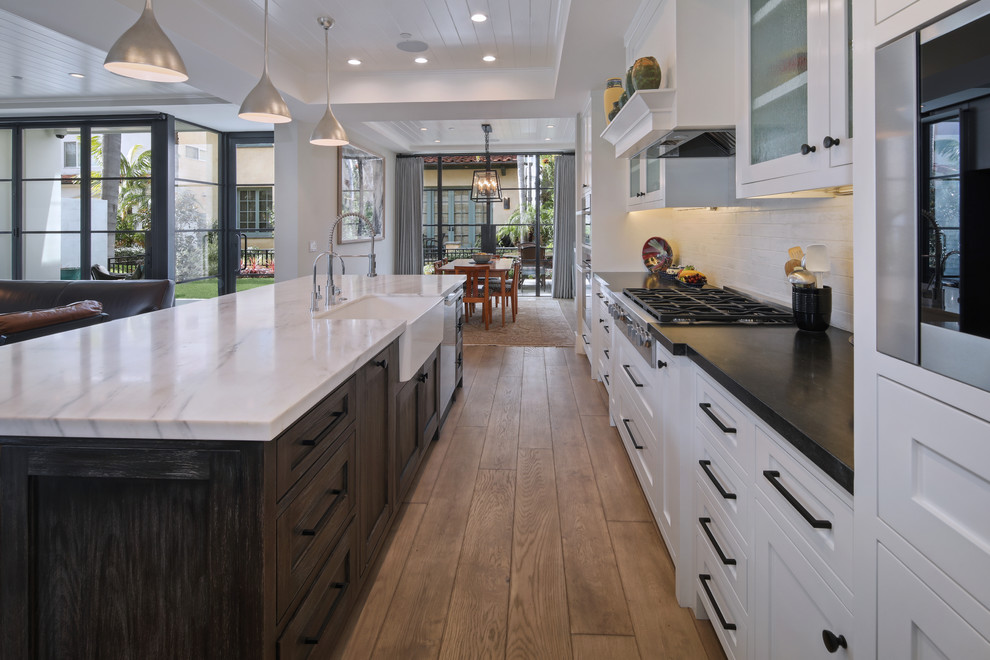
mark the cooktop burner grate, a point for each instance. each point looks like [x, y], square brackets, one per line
[713, 306]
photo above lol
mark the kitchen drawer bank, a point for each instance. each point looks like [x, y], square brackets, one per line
[198, 548]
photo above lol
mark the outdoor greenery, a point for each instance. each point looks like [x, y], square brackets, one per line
[521, 226]
[208, 288]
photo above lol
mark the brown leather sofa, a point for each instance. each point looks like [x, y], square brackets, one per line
[120, 299]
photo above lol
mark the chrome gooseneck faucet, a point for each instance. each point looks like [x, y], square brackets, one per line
[332, 290]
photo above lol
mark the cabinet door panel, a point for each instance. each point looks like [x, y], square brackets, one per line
[408, 435]
[373, 456]
[792, 605]
[913, 622]
[934, 482]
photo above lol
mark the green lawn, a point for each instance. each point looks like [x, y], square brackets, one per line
[208, 288]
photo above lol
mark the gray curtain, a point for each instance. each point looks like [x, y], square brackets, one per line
[563, 228]
[409, 216]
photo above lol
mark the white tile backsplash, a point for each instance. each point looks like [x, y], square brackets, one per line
[745, 246]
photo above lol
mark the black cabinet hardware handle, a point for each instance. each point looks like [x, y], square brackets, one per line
[833, 642]
[311, 640]
[830, 142]
[807, 149]
[631, 436]
[606, 353]
[599, 294]
[704, 577]
[308, 532]
[631, 377]
[721, 491]
[423, 377]
[773, 476]
[605, 376]
[382, 363]
[721, 426]
[460, 361]
[601, 320]
[585, 338]
[728, 561]
[316, 640]
[661, 364]
[335, 491]
[607, 330]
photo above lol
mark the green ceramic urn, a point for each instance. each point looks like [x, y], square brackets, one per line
[630, 90]
[646, 73]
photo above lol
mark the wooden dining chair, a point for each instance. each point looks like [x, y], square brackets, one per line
[476, 291]
[506, 290]
[437, 265]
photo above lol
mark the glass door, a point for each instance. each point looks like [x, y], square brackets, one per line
[251, 159]
[197, 213]
[6, 205]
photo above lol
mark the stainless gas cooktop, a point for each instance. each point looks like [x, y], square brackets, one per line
[706, 306]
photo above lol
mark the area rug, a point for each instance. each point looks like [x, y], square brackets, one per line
[539, 322]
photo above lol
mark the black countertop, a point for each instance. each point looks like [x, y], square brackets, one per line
[800, 383]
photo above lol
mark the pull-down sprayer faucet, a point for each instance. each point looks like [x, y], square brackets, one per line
[332, 291]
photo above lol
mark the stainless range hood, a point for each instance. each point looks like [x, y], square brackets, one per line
[697, 144]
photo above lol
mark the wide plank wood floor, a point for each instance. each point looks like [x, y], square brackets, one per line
[526, 534]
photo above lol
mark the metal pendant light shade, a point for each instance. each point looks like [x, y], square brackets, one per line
[264, 103]
[485, 187]
[329, 132]
[145, 53]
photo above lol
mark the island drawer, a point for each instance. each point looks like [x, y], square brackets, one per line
[315, 627]
[304, 442]
[313, 520]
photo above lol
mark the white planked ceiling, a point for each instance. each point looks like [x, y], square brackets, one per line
[549, 54]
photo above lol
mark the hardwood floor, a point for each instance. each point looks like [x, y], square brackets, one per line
[526, 534]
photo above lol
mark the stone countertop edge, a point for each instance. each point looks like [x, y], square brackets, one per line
[182, 389]
[838, 469]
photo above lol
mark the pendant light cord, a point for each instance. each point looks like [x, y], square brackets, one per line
[266, 35]
[488, 156]
[326, 52]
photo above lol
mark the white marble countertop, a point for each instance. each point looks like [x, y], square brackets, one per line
[238, 367]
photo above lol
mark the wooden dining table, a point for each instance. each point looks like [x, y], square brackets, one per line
[499, 268]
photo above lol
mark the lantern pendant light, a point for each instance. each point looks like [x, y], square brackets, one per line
[485, 187]
[145, 53]
[329, 132]
[264, 103]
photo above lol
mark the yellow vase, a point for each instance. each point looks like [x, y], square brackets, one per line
[613, 90]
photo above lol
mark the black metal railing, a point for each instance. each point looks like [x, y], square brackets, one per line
[125, 265]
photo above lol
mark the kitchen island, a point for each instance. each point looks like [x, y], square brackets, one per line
[212, 480]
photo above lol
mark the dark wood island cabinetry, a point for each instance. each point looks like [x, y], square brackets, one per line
[206, 549]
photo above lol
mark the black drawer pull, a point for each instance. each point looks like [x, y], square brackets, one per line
[728, 561]
[711, 476]
[807, 149]
[605, 376]
[606, 354]
[316, 640]
[381, 363]
[631, 377]
[828, 143]
[773, 476]
[599, 294]
[307, 532]
[601, 320]
[607, 330]
[661, 364]
[833, 642]
[704, 577]
[311, 640]
[423, 377]
[631, 436]
[723, 427]
[585, 338]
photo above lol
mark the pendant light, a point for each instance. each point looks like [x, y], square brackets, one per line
[264, 103]
[329, 132]
[145, 53]
[485, 187]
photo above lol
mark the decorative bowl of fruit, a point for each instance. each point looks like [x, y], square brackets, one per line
[692, 277]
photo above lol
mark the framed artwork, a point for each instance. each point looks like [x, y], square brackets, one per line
[360, 189]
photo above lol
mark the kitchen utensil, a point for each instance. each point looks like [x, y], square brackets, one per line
[657, 255]
[816, 260]
[795, 252]
[791, 265]
[800, 277]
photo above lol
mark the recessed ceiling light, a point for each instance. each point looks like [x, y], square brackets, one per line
[77, 75]
[489, 58]
[547, 139]
[421, 60]
[354, 61]
[437, 140]
[549, 125]
[423, 128]
[479, 18]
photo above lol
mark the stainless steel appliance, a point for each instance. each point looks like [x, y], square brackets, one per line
[453, 307]
[683, 305]
[933, 196]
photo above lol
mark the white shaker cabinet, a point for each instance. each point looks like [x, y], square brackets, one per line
[795, 613]
[794, 128]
